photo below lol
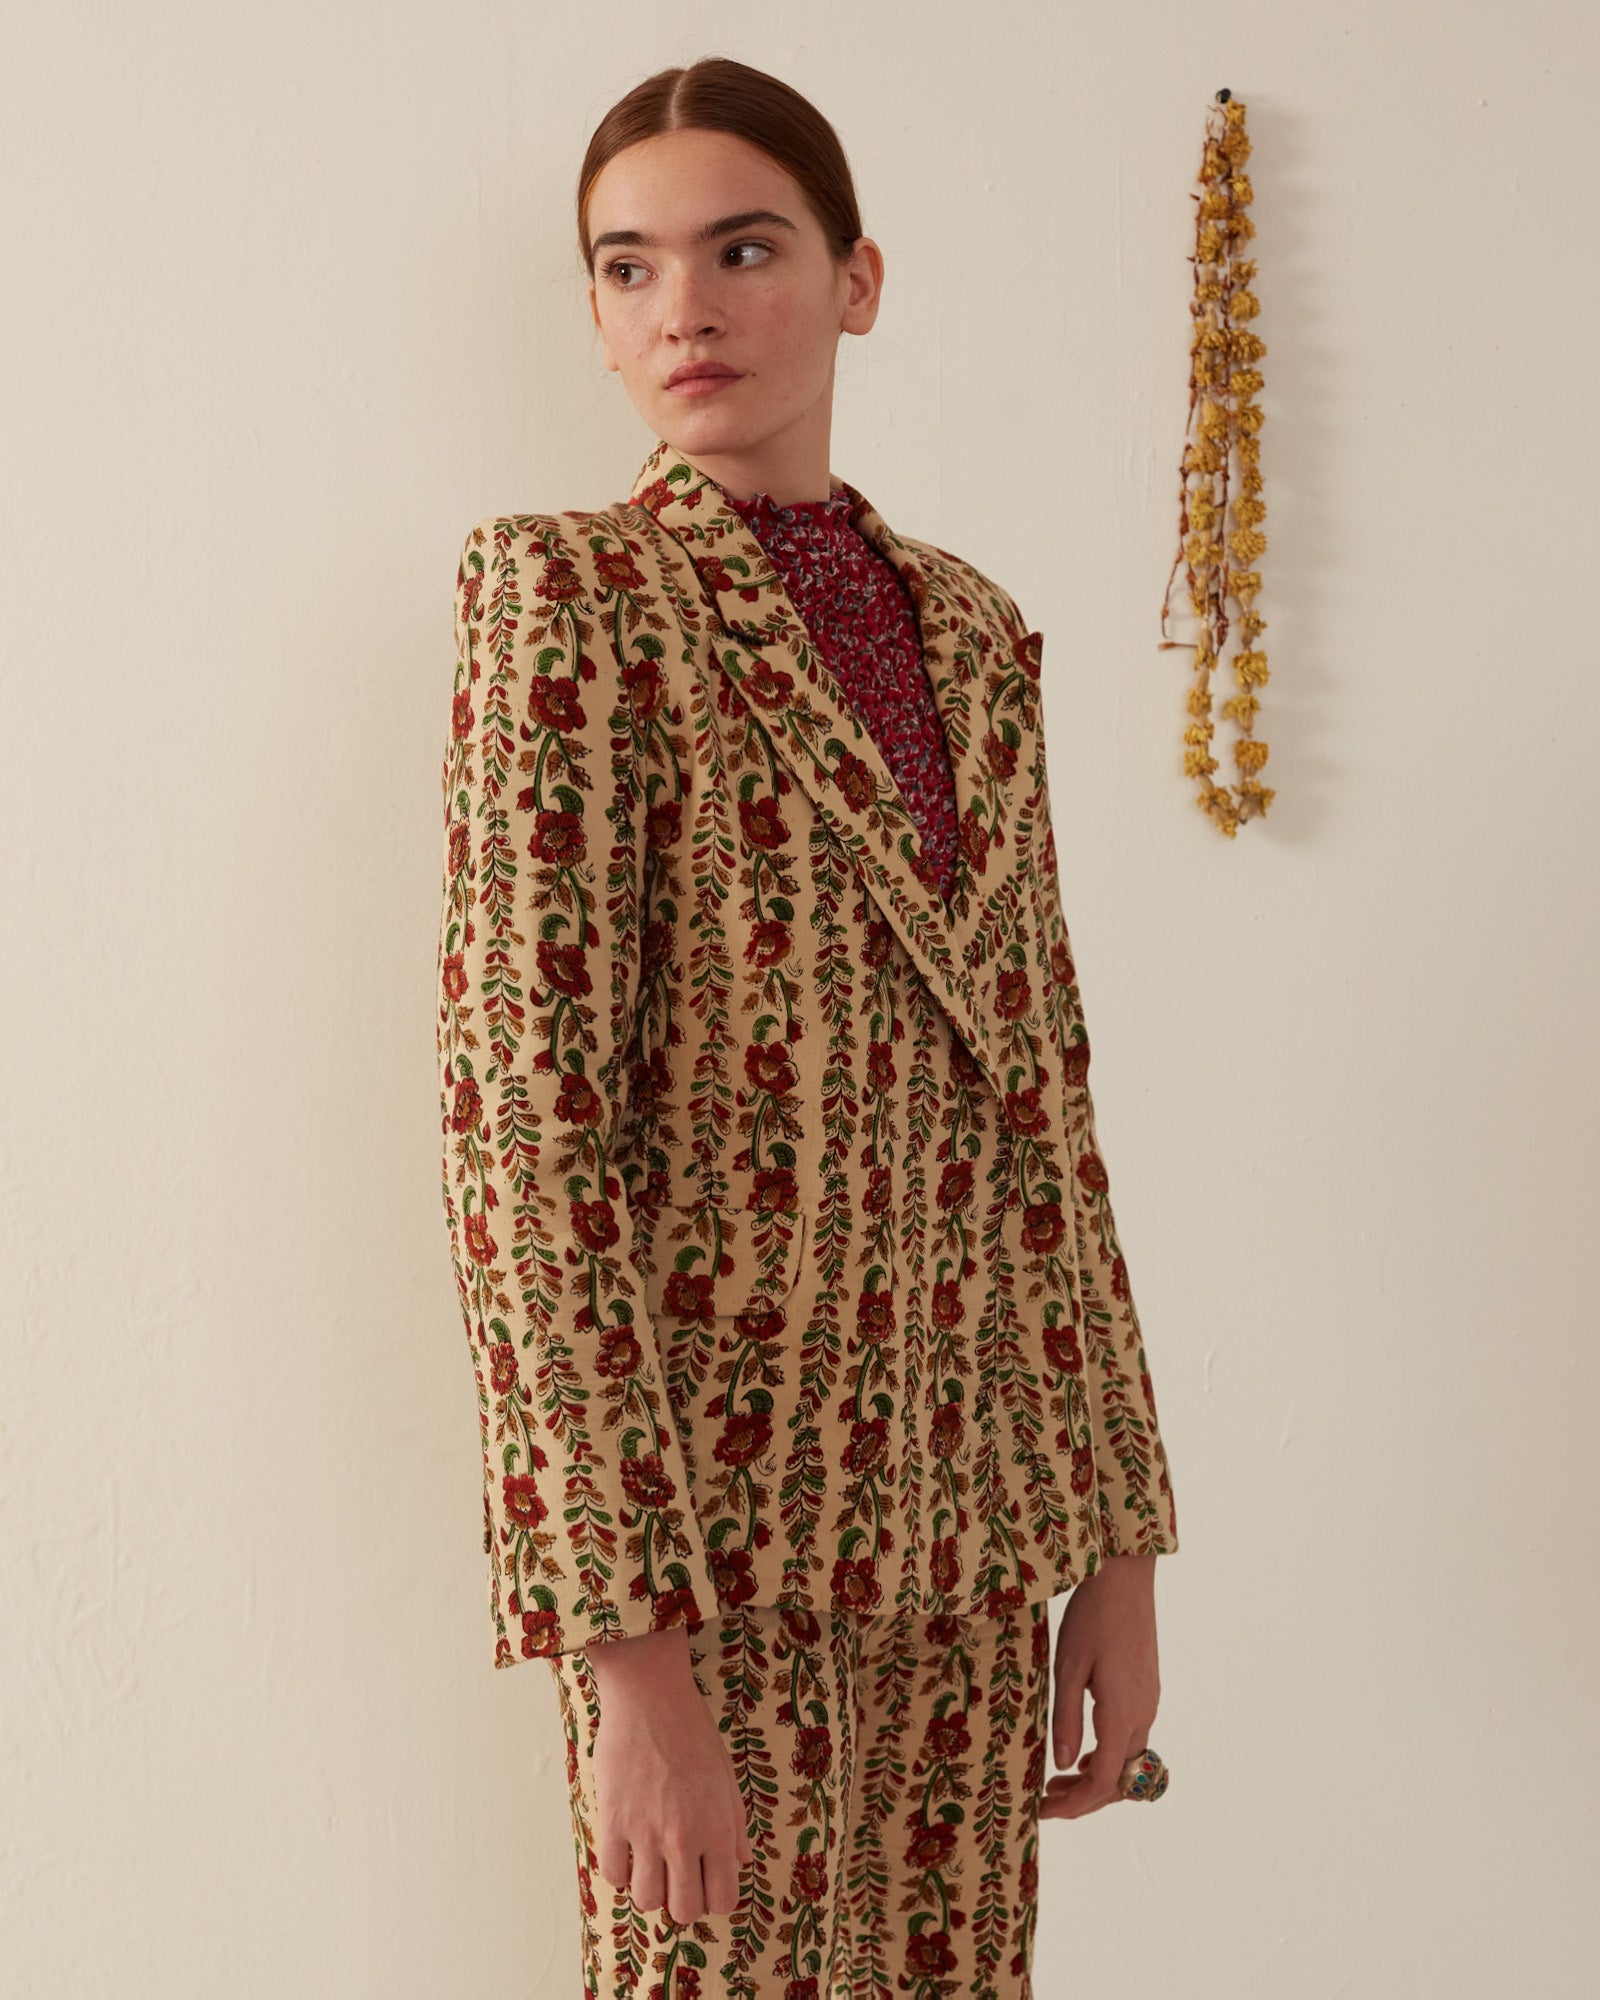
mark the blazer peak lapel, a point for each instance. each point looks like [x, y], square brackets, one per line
[985, 688]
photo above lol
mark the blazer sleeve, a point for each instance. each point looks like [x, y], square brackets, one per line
[1133, 1480]
[588, 1529]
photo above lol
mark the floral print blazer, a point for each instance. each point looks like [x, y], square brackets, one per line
[779, 1222]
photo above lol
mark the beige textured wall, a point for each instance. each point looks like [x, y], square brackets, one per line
[291, 300]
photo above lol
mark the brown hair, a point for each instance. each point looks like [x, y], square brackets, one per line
[718, 94]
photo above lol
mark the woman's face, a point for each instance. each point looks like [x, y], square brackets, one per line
[764, 298]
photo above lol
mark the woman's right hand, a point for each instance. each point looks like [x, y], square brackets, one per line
[672, 1825]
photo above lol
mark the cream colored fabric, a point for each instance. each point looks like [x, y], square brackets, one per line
[891, 1771]
[783, 1235]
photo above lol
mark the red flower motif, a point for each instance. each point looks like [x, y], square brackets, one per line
[655, 949]
[594, 1224]
[947, 1736]
[774, 1192]
[855, 1585]
[1001, 756]
[617, 570]
[559, 581]
[733, 1575]
[646, 1481]
[1013, 993]
[1075, 1064]
[771, 942]
[541, 1633]
[809, 1880]
[687, 1295]
[946, 1305]
[854, 778]
[557, 838]
[868, 1449]
[975, 840]
[877, 944]
[955, 1186]
[502, 1367]
[1062, 1350]
[577, 1101]
[1043, 1227]
[965, 1066]
[813, 1750]
[760, 1323]
[928, 1848]
[1026, 1113]
[656, 495]
[745, 1436]
[1092, 1172]
[553, 703]
[620, 1355]
[762, 823]
[524, 1505]
[460, 845]
[645, 688]
[1003, 1598]
[480, 1245]
[663, 824]
[563, 968]
[768, 685]
[466, 1106]
[671, 1607]
[453, 975]
[769, 1068]
[874, 1317]
[946, 1430]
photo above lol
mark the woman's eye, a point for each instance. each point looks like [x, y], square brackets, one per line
[614, 271]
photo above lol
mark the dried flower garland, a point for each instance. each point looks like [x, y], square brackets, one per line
[1223, 382]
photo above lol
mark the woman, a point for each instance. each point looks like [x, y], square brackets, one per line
[807, 1366]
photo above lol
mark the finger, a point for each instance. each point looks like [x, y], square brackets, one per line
[649, 1885]
[1102, 1769]
[686, 1890]
[614, 1858]
[1066, 1724]
[720, 1874]
[1054, 1799]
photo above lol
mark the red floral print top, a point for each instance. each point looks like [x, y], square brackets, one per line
[851, 600]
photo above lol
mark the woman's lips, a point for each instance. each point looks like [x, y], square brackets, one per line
[701, 385]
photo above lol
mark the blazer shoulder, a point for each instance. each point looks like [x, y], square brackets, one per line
[970, 582]
[579, 537]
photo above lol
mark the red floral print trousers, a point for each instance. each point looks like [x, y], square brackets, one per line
[891, 1770]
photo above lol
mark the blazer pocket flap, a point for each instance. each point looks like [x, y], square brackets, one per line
[759, 1264]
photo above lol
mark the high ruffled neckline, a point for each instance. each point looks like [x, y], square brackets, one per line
[794, 513]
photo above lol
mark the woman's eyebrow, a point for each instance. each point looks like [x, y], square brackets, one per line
[709, 232]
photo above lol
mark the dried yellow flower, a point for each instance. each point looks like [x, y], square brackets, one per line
[1219, 531]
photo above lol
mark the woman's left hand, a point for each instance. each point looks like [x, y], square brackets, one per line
[1106, 1647]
